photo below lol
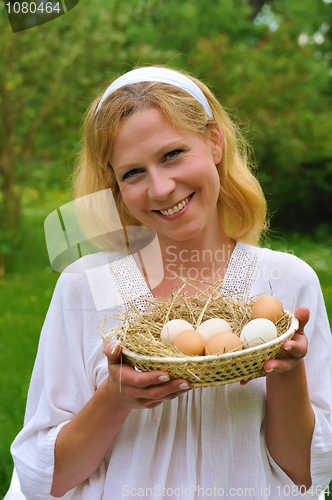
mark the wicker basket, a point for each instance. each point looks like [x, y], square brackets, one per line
[204, 371]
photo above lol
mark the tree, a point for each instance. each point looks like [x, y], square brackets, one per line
[269, 61]
[48, 74]
[280, 89]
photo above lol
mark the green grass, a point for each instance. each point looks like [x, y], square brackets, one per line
[26, 298]
[25, 293]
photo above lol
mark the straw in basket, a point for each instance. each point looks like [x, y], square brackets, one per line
[138, 332]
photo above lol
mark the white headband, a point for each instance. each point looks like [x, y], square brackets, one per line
[162, 75]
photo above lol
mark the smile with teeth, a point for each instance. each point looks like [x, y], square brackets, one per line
[177, 208]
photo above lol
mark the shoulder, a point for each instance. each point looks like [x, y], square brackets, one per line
[88, 282]
[277, 264]
[286, 276]
[72, 286]
[92, 282]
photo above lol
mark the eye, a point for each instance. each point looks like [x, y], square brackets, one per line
[132, 173]
[172, 154]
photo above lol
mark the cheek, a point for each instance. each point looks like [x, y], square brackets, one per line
[213, 185]
[128, 195]
[208, 175]
[132, 198]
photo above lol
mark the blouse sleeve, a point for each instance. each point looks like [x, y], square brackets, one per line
[68, 369]
[297, 285]
[319, 375]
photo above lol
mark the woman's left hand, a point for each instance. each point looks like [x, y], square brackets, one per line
[295, 349]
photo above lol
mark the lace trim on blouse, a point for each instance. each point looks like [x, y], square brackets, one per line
[240, 275]
[129, 280]
[241, 271]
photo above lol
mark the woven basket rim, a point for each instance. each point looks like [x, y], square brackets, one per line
[294, 325]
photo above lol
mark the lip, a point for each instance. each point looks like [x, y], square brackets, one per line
[177, 214]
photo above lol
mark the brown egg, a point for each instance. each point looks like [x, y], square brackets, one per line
[190, 342]
[223, 342]
[268, 307]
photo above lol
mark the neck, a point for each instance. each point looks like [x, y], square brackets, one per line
[204, 259]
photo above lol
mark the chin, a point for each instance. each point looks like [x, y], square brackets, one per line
[182, 236]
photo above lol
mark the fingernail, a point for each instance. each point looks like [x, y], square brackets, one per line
[288, 348]
[164, 378]
[269, 371]
[184, 386]
[114, 349]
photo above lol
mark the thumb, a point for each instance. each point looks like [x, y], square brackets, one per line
[113, 353]
[302, 314]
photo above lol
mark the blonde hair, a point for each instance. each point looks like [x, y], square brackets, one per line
[241, 202]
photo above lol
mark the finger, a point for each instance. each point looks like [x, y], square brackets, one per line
[113, 353]
[245, 382]
[170, 397]
[144, 398]
[302, 314]
[162, 390]
[288, 359]
[128, 376]
[131, 377]
[297, 347]
[280, 365]
[299, 339]
[169, 390]
[153, 402]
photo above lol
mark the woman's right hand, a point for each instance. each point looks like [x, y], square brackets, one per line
[83, 442]
[135, 389]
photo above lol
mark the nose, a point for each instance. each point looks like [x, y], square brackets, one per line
[161, 185]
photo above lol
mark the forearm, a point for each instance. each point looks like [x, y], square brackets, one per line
[290, 422]
[82, 443]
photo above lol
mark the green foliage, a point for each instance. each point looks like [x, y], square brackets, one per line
[48, 76]
[179, 25]
[50, 73]
[276, 87]
[281, 92]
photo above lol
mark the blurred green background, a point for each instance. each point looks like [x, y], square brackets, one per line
[269, 63]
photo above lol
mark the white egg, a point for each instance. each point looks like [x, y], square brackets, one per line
[212, 326]
[258, 331]
[171, 329]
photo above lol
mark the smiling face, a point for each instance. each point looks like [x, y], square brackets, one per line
[167, 178]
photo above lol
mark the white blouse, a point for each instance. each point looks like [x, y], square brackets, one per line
[208, 442]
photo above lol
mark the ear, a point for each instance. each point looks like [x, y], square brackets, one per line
[217, 140]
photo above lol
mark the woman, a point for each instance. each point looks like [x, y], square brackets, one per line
[176, 164]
